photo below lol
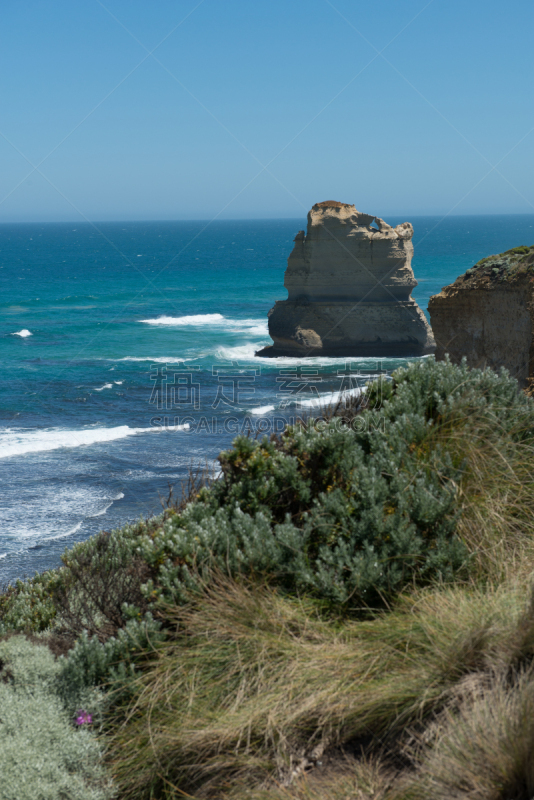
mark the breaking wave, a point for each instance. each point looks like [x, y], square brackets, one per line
[20, 442]
[254, 327]
[195, 319]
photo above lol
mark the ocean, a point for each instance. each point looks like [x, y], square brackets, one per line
[127, 356]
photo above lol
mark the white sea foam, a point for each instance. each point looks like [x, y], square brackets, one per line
[57, 512]
[69, 532]
[252, 327]
[105, 386]
[262, 410]
[246, 352]
[119, 383]
[103, 510]
[157, 359]
[328, 399]
[318, 401]
[20, 442]
[195, 319]
[23, 333]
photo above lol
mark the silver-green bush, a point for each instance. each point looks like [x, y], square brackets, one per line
[42, 754]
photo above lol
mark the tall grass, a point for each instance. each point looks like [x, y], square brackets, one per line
[256, 687]
[496, 493]
[485, 750]
[341, 778]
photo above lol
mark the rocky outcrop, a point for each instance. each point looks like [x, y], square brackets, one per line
[349, 280]
[487, 314]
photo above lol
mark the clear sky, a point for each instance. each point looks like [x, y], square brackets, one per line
[189, 109]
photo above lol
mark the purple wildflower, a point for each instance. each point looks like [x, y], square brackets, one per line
[83, 717]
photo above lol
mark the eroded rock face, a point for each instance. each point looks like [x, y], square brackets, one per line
[349, 280]
[487, 314]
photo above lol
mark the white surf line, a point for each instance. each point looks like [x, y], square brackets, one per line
[253, 327]
[194, 319]
[262, 410]
[16, 443]
[110, 502]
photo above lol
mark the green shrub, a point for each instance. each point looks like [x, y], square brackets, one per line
[350, 516]
[29, 605]
[97, 590]
[91, 663]
[42, 755]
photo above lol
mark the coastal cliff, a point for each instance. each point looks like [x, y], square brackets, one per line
[349, 280]
[487, 314]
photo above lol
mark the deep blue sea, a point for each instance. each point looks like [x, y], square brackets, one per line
[127, 354]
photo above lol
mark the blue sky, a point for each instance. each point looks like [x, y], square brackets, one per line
[260, 109]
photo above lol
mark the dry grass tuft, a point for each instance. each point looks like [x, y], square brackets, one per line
[255, 687]
[496, 494]
[342, 778]
[485, 751]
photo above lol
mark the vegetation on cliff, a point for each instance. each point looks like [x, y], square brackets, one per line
[501, 267]
[346, 612]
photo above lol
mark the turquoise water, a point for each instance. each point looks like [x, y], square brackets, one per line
[127, 352]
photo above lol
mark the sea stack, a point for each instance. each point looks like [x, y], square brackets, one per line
[487, 314]
[349, 280]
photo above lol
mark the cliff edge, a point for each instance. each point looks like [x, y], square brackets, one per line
[349, 280]
[487, 314]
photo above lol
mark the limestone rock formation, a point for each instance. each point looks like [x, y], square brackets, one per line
[349, 280]
[487, 314]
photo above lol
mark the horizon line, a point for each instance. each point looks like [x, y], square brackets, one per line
[239, 219]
